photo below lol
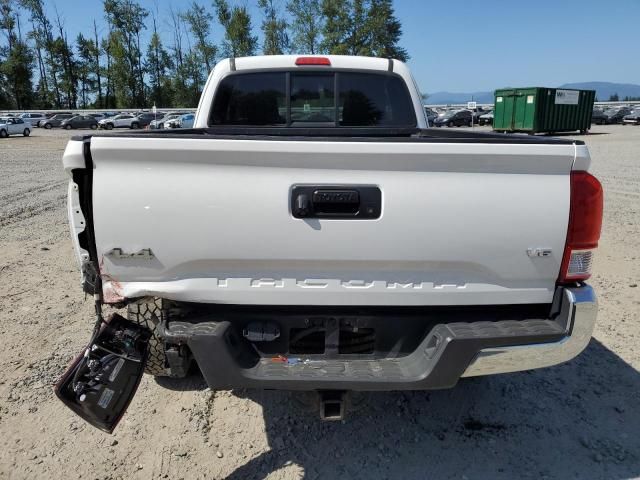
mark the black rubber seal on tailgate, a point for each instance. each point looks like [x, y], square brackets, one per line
[345, 134]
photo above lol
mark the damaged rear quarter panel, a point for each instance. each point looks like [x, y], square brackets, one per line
[73, 159]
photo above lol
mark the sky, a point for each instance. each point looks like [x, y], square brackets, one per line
[474, 45]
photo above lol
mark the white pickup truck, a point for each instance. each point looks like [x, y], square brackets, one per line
[312, 233]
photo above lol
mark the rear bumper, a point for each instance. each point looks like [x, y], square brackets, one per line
[579, 312]
[448, 352]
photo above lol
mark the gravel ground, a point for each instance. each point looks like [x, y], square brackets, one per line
[578, 420]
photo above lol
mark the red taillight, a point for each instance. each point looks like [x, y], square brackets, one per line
[585, 222]
[313, 61]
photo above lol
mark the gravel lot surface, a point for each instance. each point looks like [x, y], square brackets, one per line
[578, 420]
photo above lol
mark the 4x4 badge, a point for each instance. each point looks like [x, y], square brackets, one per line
[144, 254]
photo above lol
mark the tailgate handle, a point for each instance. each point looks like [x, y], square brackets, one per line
[308, 201]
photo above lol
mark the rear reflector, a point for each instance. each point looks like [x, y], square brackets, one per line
[313, 61]
[580, 264]
[585, 223]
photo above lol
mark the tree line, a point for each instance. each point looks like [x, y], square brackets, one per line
[616, 98]
[132, 65]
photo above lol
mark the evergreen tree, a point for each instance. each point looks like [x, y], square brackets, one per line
[16, 68]
[5, 97]
[180, 89]
[193, 72]
[43, 33]
[109, 100]
[16, 65]
[276, 40]
[337, 26]
[157, 65]
[362, 27]
[116, 70]
[306, 25]
[96, 65]
[123, 83]
[42, 98]
[236, 21]
[63, 54]
[199, 22]
[385, 31]
[127, 20]
[85, 68]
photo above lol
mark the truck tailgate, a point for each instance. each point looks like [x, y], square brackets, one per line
[210, 220]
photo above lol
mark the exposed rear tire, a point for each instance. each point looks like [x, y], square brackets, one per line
[148, 312]
[47, 126]
[135, 125]
[67, 127]
[26, 132]
[3, 134]
[109, 126]
[94, 126]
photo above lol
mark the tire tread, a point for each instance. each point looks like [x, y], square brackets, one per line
[148, 313]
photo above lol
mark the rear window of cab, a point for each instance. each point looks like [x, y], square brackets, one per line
[312, 99]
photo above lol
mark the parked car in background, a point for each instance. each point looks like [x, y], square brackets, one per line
[33, 118]
[615, 115]
[55, 121]
[97, 116]
[475, 114]
[124, 120]
[159, 123]
[443, 111]
[142, 120]
[431, 114]
[632, 118]
[598, 117]
[80, 121]
[486, 118]
[173, 122]
[186, 121]
[456, 118]
[47, 116]
[14, 126]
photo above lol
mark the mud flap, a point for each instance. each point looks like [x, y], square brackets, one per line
[101, 382]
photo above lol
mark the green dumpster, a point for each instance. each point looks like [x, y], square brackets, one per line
[538, 110]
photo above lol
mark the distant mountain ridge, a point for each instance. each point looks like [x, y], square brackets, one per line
[603, 91]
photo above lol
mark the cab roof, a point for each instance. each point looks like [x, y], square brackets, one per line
[289, 61]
